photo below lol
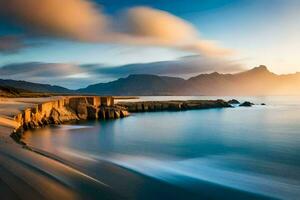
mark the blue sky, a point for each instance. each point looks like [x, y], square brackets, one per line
[257, 31]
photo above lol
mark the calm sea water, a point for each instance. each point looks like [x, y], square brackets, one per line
[230, 153]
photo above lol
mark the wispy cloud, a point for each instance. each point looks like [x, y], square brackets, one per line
[67, 75]
[75, 76]
[83, 20]
[184, 67]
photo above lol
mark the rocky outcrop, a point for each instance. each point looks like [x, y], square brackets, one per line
[151, 106]
[66, 109]
[112, 112]
[233, 101]
[246, 104]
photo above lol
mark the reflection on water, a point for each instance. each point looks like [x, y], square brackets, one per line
[248, 149]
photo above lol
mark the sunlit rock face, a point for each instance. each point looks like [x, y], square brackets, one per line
[66, 109]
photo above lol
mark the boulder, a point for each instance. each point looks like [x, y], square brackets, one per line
[124, 113]
[117, 114]
[221, 103]
[233, 101]
[54, 116]
[246, 104]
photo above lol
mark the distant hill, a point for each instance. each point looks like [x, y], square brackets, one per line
[33, 87]
[11, 92]
[142, 84]
[257, 81]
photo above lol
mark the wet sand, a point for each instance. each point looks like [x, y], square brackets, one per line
[25, 174]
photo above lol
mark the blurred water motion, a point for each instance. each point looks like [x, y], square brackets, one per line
[250, 150]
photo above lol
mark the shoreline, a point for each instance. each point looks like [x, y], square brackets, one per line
[27, 165]
[22, 114]
[27, 173]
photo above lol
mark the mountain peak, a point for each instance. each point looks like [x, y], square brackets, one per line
[260, 68]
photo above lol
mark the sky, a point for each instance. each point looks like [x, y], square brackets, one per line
[74, 43]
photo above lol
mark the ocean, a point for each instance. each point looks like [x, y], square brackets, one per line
[227, 153]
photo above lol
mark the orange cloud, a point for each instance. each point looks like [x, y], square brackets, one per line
[75, 19]
[81, 20]
[156, 24]
[151, 26]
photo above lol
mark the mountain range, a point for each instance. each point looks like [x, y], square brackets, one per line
[33, 87]
[257, 81]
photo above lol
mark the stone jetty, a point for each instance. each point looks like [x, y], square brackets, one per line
[152, 106]
[39, 112]
[30, 113]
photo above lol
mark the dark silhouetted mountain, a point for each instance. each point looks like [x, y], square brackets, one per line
[141, 84]
[257, 81]
[6, 91]
[33, 87]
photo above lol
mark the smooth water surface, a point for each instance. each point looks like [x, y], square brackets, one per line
[228, 153]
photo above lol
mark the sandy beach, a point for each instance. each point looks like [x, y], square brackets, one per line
[25, 174]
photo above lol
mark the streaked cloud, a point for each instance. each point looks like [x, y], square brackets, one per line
[38, 69]
[75, 76]
[84, 21]
[66, 75]
[146, 25]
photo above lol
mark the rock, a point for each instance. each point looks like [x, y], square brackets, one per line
[82, 111]
[139, 107]
[45, 121]
[146, 107]
[233, 101]
[102, 114]
[151, 107]
[30, 125]
[132, 107]
[110, 114]
[222, 104]
[157, 106]
[36, 124]
[124, 113]
[175, 106]
[117, 114]
[40, 123]
[54, 116]
[164, 106]
[246, 104]
[92, 112]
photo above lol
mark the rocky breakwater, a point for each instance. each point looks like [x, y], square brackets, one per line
[96, 108]
[152, 106]
[67, 109]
